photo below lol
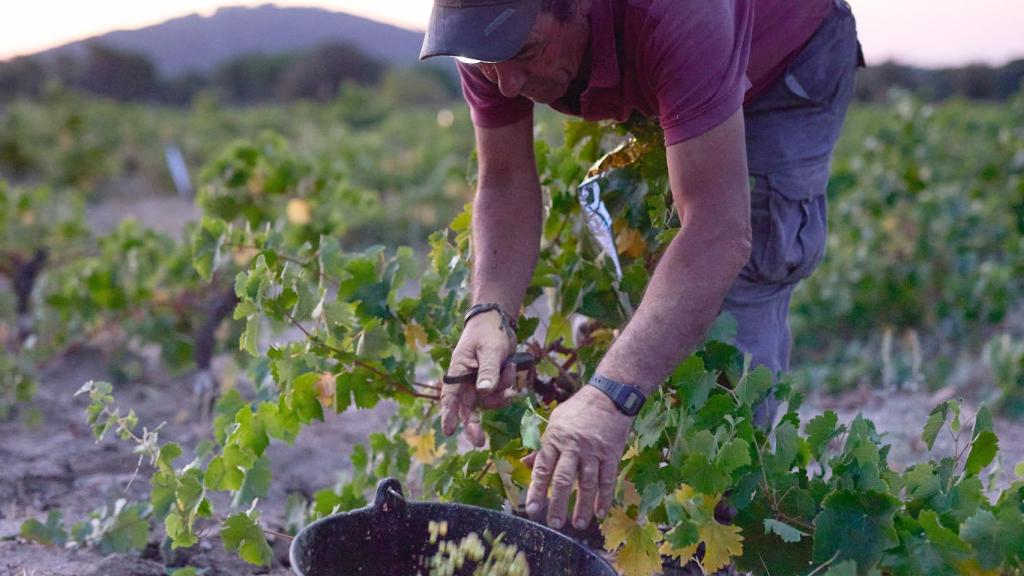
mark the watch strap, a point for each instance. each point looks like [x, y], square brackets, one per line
[629, 399]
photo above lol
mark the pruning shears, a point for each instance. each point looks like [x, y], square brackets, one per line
[525, 373]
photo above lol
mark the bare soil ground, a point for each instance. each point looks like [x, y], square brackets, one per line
[57, 464]
[900, 418]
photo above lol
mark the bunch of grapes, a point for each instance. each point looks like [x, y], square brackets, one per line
[502, 560]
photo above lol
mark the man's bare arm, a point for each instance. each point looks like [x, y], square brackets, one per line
[507, 215]
[710, 188]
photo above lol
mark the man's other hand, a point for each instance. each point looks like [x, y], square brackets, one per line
[582, 445]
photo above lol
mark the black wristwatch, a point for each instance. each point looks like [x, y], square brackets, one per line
[628, 399]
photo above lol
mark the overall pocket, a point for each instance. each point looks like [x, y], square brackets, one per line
[819, 72]
[789, 222]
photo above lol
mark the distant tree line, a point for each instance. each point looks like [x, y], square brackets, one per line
[317, 74]
[974, 82]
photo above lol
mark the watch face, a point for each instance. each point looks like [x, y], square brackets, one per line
[628, 399]
[631, 401]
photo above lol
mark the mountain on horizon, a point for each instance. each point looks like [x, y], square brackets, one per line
[196, 43]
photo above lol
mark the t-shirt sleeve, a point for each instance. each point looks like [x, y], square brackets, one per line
[487, 106]
[697, 59]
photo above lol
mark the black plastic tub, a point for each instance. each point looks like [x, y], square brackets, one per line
[391, 538]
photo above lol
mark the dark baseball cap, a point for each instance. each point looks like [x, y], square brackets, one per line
[485, 30]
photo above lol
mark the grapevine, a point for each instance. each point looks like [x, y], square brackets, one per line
[325, 324]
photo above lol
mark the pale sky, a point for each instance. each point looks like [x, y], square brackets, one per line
[923, 32]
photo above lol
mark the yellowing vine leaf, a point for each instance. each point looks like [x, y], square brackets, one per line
[631, 243]
[415, 336]
[721, 543]
[519, 472]
[971, 568]
[685, 493]
[298, 211]
[630, 497]
[684, 555]
[424, 446]
[514, 477]
[638, 555]
[243, 255]
[603, 336]
[161, 296]
[632, 452]
[325, 389]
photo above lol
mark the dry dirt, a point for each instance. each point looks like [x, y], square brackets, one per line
[900, 418]
[57, 464]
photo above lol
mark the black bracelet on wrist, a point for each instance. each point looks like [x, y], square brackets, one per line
[477, 309]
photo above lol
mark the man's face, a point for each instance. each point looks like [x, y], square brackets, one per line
[548, 61]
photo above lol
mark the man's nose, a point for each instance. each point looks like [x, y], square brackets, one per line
[510, 80]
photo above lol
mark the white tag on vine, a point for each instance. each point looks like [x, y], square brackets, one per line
[599, 221]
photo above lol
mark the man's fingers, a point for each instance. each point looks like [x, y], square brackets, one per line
[452, 395]
[607, 477]
[508, 377]
[588, 491]
[499, 396]
[489, 373]
[471, 418]
[498, 399]
[562, 483]
[543, 468]
[450, 408]
[528, 459]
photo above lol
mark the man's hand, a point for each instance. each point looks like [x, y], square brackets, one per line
[584, 441]
[483, 348]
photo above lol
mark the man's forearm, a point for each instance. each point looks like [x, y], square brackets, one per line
[681, 302]
[507, 222]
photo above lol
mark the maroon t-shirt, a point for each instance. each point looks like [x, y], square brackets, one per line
[688, 63]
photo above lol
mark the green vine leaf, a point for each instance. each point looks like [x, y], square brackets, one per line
[255, 485]
[821, 430]
[754, 386]
[125, 529]
[242, 533]
[947, 541]
[844, 568]
[982, 422]
[530, 430]
[788, 533]
[52, 532]
[936, 419]
[983, 451]
[207, 239]
[855, 525]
